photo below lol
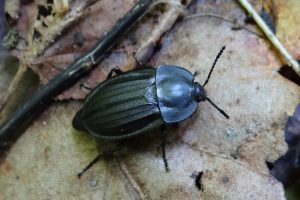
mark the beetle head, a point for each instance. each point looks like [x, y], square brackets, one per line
[199, 92]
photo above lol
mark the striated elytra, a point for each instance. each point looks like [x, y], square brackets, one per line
[138, 101]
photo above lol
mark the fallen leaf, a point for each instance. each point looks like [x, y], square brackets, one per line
[47, 58]
[230, 154]
[287, 25]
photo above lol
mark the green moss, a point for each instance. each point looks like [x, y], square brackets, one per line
[11, 39]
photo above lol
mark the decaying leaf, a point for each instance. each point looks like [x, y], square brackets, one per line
[76, 40]
[12, 8]
[230, 154]
[288, 18]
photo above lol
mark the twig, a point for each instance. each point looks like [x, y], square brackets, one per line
[30, 109]
[234, 22]
[14, 83]
[221, 156]
[273, 39]
[147, 48]
[131, 180]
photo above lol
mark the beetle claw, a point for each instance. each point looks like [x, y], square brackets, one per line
[117, 71]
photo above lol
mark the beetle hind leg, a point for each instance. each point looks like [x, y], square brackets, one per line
[117, 71]
[99, 156]
[118, 147]
[163, 146]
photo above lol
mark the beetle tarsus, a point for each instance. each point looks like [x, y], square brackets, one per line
[117, 71]
[163, 146]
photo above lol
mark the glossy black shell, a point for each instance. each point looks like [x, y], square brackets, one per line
[176, 92]
[123, 106]
[138, 101]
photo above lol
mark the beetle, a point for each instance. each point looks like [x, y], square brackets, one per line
[138, 101]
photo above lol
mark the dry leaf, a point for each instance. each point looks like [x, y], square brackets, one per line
[287, 25]
[94, 22]
[231, 154]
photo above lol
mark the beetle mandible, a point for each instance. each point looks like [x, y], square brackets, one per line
[137, 101]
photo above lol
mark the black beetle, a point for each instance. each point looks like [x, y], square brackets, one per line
[137, 101]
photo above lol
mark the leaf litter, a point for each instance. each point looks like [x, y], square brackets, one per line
[231, 154]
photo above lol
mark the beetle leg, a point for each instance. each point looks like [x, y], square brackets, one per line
[117, 71]
[85, 87]
[118, 147]
[163, 146]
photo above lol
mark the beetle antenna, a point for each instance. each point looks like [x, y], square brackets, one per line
[219, 109]
[213, 66]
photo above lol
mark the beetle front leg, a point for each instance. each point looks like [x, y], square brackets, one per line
[117, 71]
[85, 87]
[163, 146]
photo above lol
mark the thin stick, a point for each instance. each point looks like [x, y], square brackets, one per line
[12, 87]
[234, 22]
[130, 178]
[273, 39]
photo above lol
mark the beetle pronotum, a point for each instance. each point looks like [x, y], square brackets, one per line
[137, 101]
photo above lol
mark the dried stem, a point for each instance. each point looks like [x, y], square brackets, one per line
[234, 22]
[273, 39]
[13, 85]
[131, 180]
[170, 17]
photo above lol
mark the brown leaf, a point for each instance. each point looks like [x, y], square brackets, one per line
[288, 30]
[287, 19]
[231, 154]
[95, 21]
